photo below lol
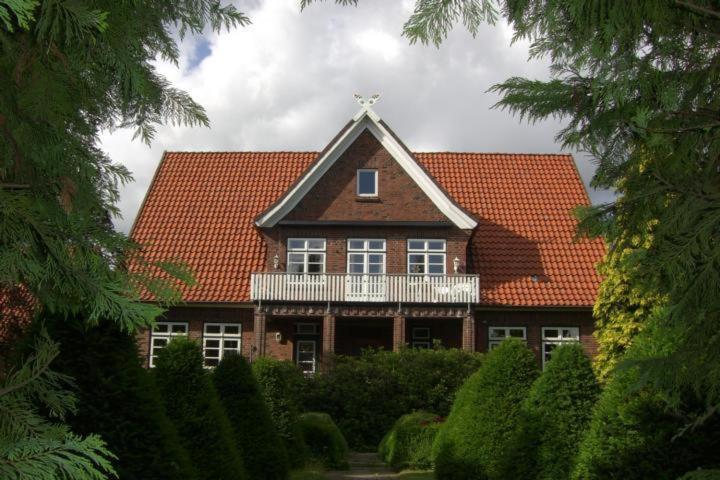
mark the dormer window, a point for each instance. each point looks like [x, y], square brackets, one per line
[367, 183]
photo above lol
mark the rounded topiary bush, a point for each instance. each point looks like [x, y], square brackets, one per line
[118, 400]
[473, 440]
[263, 451]
[194, 407]
[409, 443]
[554, 417]
[634, 435]
[281, 384]
[324, 440]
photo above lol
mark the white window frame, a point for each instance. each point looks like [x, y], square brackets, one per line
[167, 336]
[313, 362]
[562, 339]
[494, 342]
[357, 182]
[306, 251]
[366, 251]
[221, 337]
[426, 252]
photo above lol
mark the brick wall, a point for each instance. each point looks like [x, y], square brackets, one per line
[533, 321]
[334, 196]
[395, 244]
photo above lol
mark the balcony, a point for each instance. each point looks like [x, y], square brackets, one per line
[344, 287]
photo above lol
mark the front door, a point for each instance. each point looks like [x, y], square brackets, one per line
[307, 356]
[366, 270]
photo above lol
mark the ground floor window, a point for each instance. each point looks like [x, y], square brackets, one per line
[497, 334]
[421, 337]
[554, 336]
[161, 335]
[220, 339]
[306, 356]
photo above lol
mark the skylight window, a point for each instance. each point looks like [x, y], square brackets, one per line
[367, 183]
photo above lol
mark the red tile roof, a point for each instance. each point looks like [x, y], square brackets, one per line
[201, 206]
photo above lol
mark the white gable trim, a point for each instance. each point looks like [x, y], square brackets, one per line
[367, 119]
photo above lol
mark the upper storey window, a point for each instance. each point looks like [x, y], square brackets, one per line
[426, 256]
[367, 183]
[306, 255]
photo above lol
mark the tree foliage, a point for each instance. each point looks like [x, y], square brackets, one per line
[553, 418]
[637, 434]
[31, 447]
[263, 450]
[192, 403]
[409, 443]
[70, 70]
[324, 440]
[282, 383]
[118, 400]
[366, 395]
[479, 430]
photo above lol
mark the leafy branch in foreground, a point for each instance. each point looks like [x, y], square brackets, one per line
[32, 447]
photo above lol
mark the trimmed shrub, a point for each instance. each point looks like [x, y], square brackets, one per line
[263, 451]
[367, 394]
[324, 440]
[193, 405]
[118, 400]
[473, 440]
[634, 434]
[554, 417]
[282, 383]
[409, 443]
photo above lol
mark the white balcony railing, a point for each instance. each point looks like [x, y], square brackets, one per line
[344, 287]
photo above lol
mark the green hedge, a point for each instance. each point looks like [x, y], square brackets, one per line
[365, 395]
[282, 384]
[118, 400]
[409, 443]
[193, 405]
[634, 434]
[324, 440]
[474, 439]
[263, 450]
[554, 417]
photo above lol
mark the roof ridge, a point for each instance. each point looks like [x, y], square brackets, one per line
[436, 152]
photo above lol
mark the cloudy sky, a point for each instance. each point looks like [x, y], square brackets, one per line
[286, 83]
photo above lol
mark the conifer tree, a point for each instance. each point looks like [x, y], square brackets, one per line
[553, 418]
[476, 435]
[193, 405]
[118, 400]
[263, 451]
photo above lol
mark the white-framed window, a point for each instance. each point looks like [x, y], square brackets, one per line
[554, 336]
[306, 255]
[367, 182]
[306, 356]
[420, 337]
[366, 256]
[220, 339]
[161, 335]
[307, 329]
[497, 334]
[426, 257]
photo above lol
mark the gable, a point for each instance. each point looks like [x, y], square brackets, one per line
[334, 197]
[366, 121]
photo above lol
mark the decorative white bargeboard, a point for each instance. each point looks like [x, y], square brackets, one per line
[344, 287]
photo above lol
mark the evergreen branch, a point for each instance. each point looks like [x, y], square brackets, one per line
[699, 9]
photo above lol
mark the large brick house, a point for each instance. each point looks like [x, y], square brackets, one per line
[368, 244]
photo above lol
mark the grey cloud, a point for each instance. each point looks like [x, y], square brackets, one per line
[286, 83]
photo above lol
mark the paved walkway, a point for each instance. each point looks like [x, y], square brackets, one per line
[369, 466]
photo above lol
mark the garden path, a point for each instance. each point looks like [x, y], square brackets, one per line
[368, 466]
